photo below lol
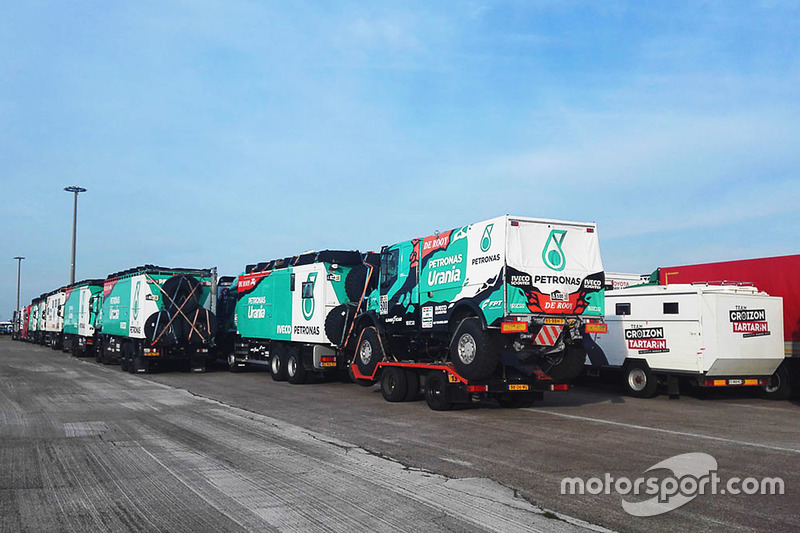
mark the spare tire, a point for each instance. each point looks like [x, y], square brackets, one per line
[565, 365]
[159, 331]
[177, 289]
[355, 280]
[337, 322]
[199, 325]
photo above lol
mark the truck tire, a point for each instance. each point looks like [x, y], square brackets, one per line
[277, 362]
[639, 380]
[779, 386]
[178, 289]
[436, 391]
[412, 385]
[394, 384]
[198, 325]
[233, 365]
[159, 327]
[369, 352]
[565, 365]
[355, 280]
[337, 322]
[98, 351]
[473, 351]
[296, 373]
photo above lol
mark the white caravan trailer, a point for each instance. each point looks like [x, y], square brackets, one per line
[717, 335]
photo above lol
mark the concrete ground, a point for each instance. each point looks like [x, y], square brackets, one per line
[87, 447]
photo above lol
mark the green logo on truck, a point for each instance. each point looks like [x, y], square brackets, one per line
[486, 239]
[308, 296]
[136, 300]
[553, 255]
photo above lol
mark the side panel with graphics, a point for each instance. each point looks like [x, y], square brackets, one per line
[308, 304]
[145, 299]
[554, 268]
[748, 329]
[72, 310]
[54, 318]
[86, 316]
[116, 306]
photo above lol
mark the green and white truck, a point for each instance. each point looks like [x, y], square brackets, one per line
[493, 309]
[35, 332]
[289, 314]
[152, 315]
[80, 314]
[54, 318]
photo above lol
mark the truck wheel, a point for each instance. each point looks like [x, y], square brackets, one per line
[369, 352]
[277, 363]
[779, 386]
[639, 381]
[436, 391]
[233, 366]
[296, 373]
[394, 384]
[355, 280]
[412, 389]
[337, 322]
[473, 351]
[565, 365]
[123, 363]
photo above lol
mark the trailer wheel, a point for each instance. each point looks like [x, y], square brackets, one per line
[296, 373]
[394, 384]
[436, 391]
[639, 381]
[473, 351]
[369, 352]
[412, 385]
[277, 363]
[779, 386]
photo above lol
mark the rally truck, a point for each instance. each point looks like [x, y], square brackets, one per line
[54, 318]
[33, 321]
[38, 322]
[151, 316]
[290, 314]
[496, 309]
[711, 335]
[80, 314]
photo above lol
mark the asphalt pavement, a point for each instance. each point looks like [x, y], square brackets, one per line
[87, 447]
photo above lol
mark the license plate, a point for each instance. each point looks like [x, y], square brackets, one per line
[328, 364]
[554, 321]
[596, 328]
[735, 382]
[519, 387]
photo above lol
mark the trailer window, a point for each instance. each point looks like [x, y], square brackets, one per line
[670, 308]
[623, 309]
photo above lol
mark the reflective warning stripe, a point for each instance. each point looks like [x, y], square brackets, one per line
[548, 335]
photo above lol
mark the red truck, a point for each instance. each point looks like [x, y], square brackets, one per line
[777, 276]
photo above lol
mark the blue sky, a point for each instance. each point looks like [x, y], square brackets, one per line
[219, 133]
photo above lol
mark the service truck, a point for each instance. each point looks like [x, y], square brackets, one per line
[290, 313]
[713, 335]
[54, 318]
[496, 309]
[153, 315]
[80, 313]
[777, 276]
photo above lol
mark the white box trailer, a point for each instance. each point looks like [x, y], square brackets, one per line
[54, 318]
[716, 335]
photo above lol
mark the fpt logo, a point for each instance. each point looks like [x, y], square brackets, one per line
[486, 239]
[553, 254]
[308, 297]
[136, 300]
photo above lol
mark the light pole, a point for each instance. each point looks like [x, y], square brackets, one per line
[74, 189]
[19, 259]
